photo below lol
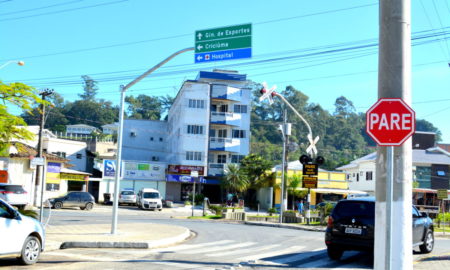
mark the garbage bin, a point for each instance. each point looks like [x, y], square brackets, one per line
[106, 198]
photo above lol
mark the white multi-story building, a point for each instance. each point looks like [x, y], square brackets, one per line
[208, 127]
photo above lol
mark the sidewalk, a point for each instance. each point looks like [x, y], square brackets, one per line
[128, 235]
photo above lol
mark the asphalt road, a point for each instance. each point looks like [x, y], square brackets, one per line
[216, 245]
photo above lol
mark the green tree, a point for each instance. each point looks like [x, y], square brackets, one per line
[144, 107]
[257, 170]
[234, 179]
[94, 113]
[424, 125]
[20, 96]
[90, 88]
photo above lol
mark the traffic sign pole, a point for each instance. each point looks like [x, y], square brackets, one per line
[394, 81]
[390, 179]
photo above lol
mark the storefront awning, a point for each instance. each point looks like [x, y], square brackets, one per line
[337, 191]
[73, 175]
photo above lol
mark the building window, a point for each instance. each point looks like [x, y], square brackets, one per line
[62, 154]
[240, 108]
[151, 139]
[222, 133]
[369, 176]
[191, 155]
[221, 159]
[214, 108]
[160, 139]
[52, 187]
[224, 108]
[357, 177]
[194, 129]
[212, 133]
[236, 158]
[196, 103]
[79, 156]
[132, 134]
[238, 133]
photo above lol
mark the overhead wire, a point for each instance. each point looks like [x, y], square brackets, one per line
[39, 8]
[442, 27]
[63, 11]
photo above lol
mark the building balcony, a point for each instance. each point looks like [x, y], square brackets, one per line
[224, 92]
[216, 169]
[226, 118]
[224, 144]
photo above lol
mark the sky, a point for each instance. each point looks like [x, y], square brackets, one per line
[324, 48]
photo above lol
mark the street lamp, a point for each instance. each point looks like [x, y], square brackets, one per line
[18, 62]
[123, 89]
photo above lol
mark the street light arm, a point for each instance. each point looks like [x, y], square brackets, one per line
[20, 63]
[297, 113]
[125, 88]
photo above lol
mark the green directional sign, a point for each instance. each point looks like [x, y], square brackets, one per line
[232, 38]
[223, 44]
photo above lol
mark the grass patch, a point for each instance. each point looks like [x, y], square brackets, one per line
[312, 223]
[206, 217]
[447, 229]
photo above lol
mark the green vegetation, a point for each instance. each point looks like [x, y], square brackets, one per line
[272, 211]
[29, 213]
[20, 96]
[217, 209]
[207, 217]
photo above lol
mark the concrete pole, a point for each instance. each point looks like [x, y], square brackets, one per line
[394, 80]
[283, 163]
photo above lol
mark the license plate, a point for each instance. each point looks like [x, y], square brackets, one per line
[353, 230]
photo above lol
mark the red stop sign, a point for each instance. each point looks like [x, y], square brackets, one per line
[390, 122]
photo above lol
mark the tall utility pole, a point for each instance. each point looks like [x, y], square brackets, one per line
[393, 244]
[286, 132]
[38, 183]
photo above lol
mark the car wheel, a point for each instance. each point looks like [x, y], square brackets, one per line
[428, 243]
[160, 209]
[89, 206]
[335, 253]
[58, 205]
[30, 251]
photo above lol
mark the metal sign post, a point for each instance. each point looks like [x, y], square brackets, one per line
[194, 174]
[389, 181]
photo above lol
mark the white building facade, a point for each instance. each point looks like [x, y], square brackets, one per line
[208, 127]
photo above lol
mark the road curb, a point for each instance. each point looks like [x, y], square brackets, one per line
[285, 226]
[135, 245]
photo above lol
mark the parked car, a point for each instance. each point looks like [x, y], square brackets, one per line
[351, 226]
[127, 196]
[14, 195]
[81, 199]
[22, 237]
[149, 198]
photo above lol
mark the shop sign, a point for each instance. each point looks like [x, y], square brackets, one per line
[53, 173]
[74, 177]
[185, 169]
[143, 171]
[3, 176]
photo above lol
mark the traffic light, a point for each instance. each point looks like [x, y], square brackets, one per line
[320, 160]
[305, 159]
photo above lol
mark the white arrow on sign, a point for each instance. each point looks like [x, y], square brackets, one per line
[268, 93]
[199, 47]
[312, 147]
[199, 35]
[199, 58]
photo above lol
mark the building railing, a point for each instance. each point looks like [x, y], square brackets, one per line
[220, 140]
[226, 114]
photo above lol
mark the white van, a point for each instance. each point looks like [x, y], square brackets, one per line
[149, 198]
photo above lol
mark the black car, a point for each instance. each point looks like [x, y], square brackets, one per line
[81, 199]
[351, 226]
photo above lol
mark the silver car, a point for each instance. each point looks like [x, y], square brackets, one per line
[127, 196]
[14, 195]
[21, 236]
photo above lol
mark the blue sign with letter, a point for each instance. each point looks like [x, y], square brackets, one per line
[223, 55]
[109, 168]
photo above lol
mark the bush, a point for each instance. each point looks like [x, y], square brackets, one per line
[29, 213]
[440, 218]
[187, 202]
[217, 209]
[198, 198]
[272, 211]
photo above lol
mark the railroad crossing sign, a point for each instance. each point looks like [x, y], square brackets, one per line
[223, 43]
[267, 94]
[312, 150]
[390, 122]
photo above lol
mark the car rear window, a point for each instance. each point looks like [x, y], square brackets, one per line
[14, 188]
[127, 193]
[354, 209]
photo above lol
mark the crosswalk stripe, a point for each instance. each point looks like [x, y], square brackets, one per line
[193, 246]
[183, 265]
[293, 258]
[219, 248]
[272, 254]
[247, 250]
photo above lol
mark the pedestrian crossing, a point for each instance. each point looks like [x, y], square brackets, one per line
[228, 254]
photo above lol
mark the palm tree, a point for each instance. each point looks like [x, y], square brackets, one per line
[294, 182]
[235, 180]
